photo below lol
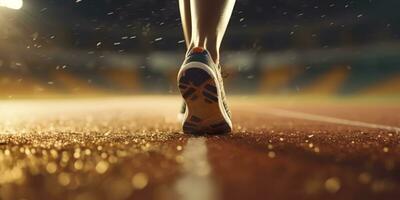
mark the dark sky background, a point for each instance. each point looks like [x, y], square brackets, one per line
[148, 25]
[88, 37]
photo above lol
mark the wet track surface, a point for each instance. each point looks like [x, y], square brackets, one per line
[132, 148]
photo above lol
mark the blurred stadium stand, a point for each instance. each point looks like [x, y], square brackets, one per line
[135, 47]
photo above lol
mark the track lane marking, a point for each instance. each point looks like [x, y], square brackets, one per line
[322, 118]
[196, 183]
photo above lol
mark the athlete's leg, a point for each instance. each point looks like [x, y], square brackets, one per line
[209, 22]
[200, 83]
[184, 8]
[204, 23]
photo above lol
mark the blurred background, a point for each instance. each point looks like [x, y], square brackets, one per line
[272, 47]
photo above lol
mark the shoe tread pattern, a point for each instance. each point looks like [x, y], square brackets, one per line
[204, 115]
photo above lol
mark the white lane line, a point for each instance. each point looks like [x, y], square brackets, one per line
[196, 182]
[321, 118]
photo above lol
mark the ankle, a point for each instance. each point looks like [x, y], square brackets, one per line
[213, 52]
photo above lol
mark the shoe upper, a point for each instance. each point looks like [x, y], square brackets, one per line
[199, 54]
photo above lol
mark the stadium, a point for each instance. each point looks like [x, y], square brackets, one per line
[89, 102]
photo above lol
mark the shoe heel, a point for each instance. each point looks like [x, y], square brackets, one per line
[200, 93]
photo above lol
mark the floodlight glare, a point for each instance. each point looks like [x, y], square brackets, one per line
[12, 4]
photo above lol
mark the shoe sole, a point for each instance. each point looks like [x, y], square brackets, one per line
[199, 89]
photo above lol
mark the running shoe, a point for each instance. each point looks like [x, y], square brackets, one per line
[201, 85]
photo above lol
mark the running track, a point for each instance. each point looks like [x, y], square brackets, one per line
[132, 148]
